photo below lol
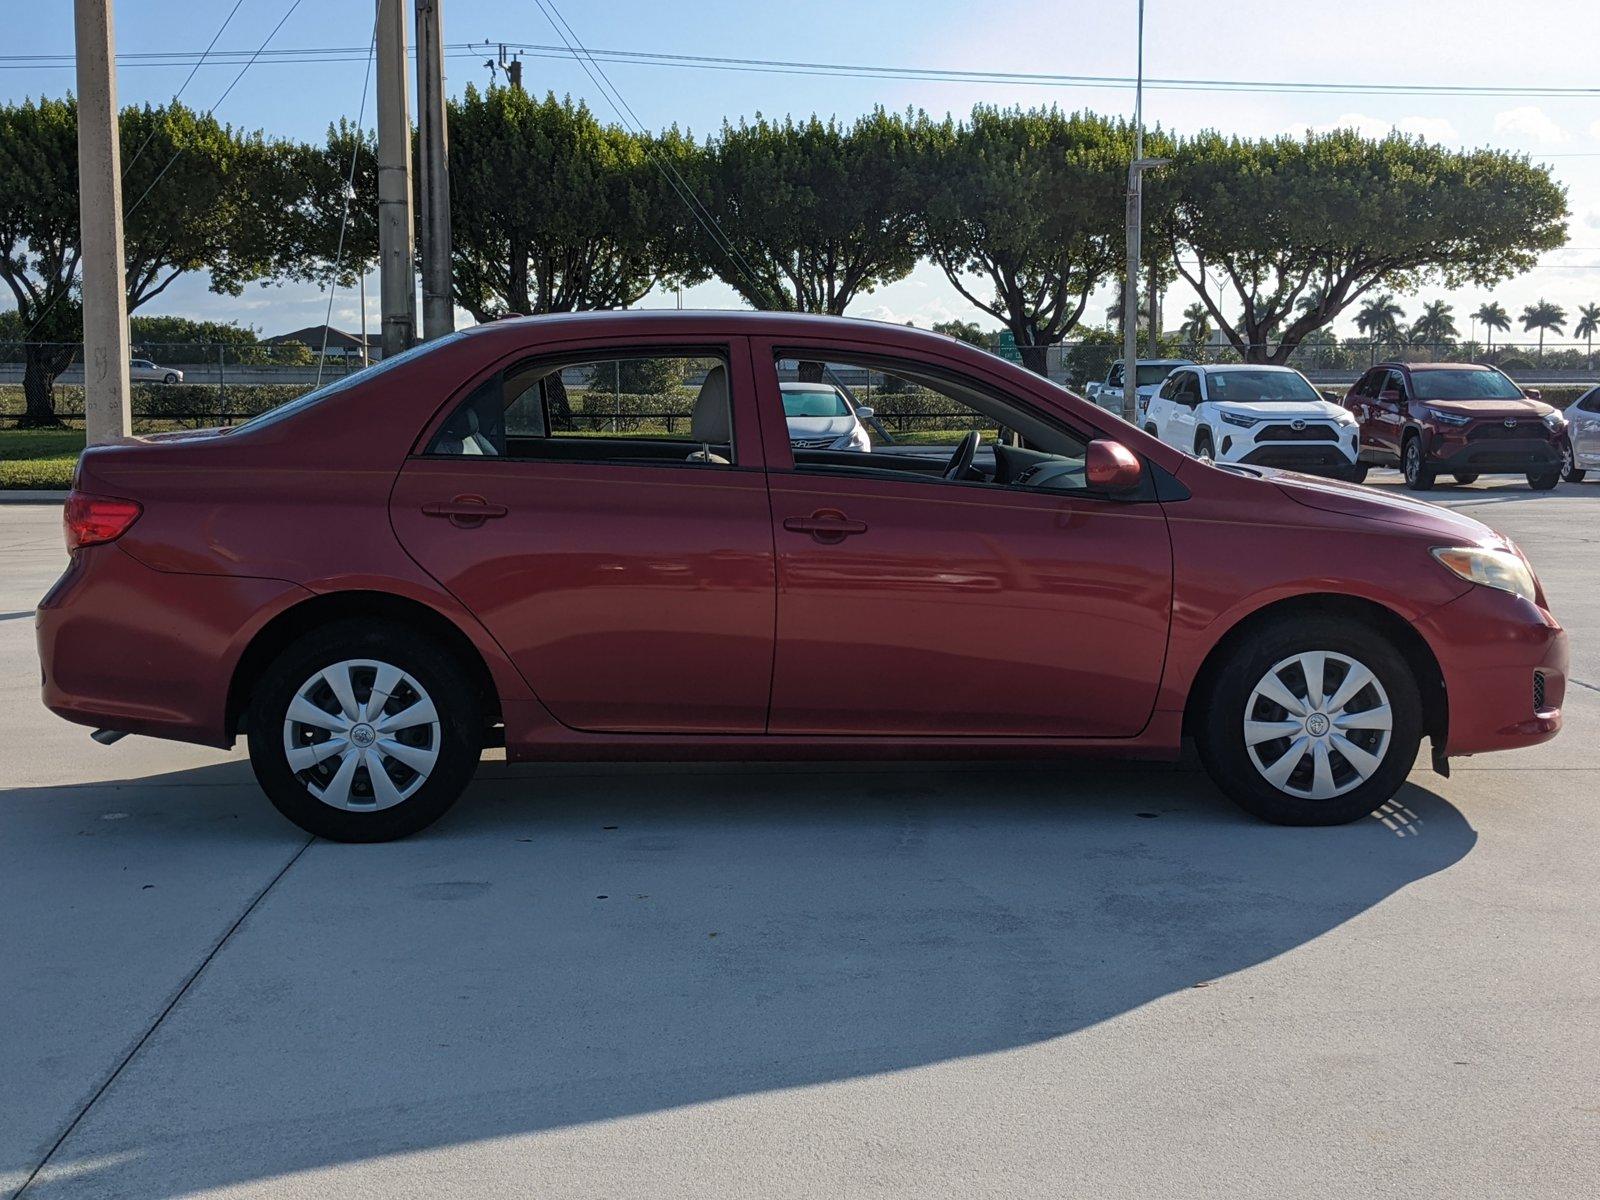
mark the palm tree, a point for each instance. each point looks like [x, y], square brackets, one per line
[1379, 318]
[1436, 324]
[1588, 325]
[1493, 316]
[1542, 316]
[1196, 327]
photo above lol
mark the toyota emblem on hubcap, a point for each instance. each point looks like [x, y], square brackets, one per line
[363, 735]
[1317, 725]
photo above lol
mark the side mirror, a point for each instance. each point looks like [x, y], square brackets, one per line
[1110, 466]
[866, 412]
[1533, 393]
[1332, 396]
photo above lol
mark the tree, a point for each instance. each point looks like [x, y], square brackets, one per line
[1343, 215]
[1543, 316]
[191, 200]
[1380, 317]
[1493, 316]
[1588, 325]
[815, 214]
[328, 195]
[1196, 327]
[1032, 204]
[966, 331]
[1436, 324]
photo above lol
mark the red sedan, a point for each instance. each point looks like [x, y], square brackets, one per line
[592, 537]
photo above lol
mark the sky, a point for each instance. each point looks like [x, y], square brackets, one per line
[1540, 43]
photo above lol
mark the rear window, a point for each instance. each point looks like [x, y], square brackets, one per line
[1153, 373]
[818, 402]
[1463, 385]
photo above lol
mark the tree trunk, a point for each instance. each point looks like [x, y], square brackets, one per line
[812, 372]
[557, 406]
[1035, 358]
[43, 363]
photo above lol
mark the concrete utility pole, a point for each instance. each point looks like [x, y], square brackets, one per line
[107, 415]
[397, 273]
[433, 163]
[1130, 283]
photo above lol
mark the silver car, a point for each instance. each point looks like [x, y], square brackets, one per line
[142, 370]
[822, 417]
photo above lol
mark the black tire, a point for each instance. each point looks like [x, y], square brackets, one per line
[1151, 430]
[1569, 470]
[169, 378]
[1544, 481]
[457, 742]
[1465, 477]
[1419, 476]
[1357, 473]
[1203, 447]
[1220, 733]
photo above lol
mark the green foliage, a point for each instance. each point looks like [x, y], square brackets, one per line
[1031, 202]
[968, 331]
[1343, 214]
[1435, 324]
[1091, 356]
[817, 213]
[637, 376]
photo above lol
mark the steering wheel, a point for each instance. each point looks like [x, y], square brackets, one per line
[961, 460]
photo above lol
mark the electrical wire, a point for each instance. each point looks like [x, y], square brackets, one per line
[349, 194]
[183, 87]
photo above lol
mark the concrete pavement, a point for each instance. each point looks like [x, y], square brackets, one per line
[731, 981]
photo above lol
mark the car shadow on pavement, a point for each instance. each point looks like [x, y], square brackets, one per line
[574, 945]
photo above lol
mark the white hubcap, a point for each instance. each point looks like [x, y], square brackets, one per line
[1317, 725]
[361, 735]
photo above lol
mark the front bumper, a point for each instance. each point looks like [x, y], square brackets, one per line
[129, 648]
[1455, 453]
[1504, 662]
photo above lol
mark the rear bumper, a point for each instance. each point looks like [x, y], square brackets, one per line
[125, 647]
[1504, 662]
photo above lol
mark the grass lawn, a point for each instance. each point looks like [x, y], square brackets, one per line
[38, 458]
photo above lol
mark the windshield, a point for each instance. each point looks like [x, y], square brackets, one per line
[1463, 385]
[1153, 373]
[808, 403]
[1247, 386]
[345, 382]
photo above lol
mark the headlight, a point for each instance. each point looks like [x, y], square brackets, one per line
[1492, 568]
[1555, 421]
[856, 439]
[1343, 416]
[1242, 422]
[1445, 418]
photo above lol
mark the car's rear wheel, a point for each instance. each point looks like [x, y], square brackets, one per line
[1419, 476]
[169, 377]
[364, 733]
[1465, 477]
[1543, 481]
[1312, 722]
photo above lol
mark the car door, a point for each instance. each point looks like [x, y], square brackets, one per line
[909, 605]
[1159, 411]
[1386, 410]
[592, 506]
[1584, 420]
[1181, 424]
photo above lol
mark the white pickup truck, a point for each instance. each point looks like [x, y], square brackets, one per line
[1152, 373]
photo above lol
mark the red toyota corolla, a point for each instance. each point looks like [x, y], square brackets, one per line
[593, 537]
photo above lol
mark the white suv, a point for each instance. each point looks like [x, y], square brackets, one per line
[1266, 416]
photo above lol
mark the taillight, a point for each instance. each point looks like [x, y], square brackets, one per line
[90, 520]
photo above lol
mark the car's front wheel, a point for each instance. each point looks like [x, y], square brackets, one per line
[169, 377]
[364, 733]
[1544, 481]
[1419, 476]
[1202, 446]
[1569, 468]
[1312, 722]
[1465, 477]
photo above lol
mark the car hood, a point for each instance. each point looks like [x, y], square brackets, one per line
[815, 427]
[1533, 409]
[1311, 410]
[1351, 500]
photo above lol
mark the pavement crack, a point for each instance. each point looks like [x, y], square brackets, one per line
[160, 1017]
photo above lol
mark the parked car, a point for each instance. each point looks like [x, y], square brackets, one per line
[1152, 371]
[1263, 415]
[1583, 437]
[142, 370]
[378, 579]
[821, 416]
[1457, 419]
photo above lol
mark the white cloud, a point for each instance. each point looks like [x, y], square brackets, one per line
[1531, 122]
[1434, 129]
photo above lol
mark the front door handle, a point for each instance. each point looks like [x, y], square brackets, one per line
[826, 525]
[465, 512]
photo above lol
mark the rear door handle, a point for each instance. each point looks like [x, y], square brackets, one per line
[465, 512]
[826, 525]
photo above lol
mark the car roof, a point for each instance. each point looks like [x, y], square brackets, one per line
[1444, 366]
[1246, 367]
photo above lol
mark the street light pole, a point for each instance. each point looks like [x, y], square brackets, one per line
[397, 276]
[106, 411]
[1133, 234]
[433, 165]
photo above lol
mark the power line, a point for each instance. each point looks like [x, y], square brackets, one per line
[344, 218]
[853, 70]
[183, 87]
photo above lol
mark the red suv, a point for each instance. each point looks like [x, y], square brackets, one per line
[592, 536]
[1457, 419]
